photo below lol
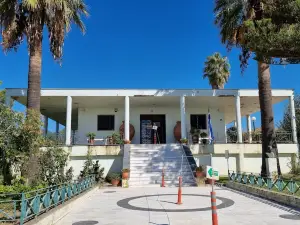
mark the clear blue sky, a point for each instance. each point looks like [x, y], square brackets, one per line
[141, 44]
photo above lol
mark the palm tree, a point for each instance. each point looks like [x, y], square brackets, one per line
[217, 70]
[230, 17]
[28, 18]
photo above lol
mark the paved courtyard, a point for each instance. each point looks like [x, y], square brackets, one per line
[156, 206]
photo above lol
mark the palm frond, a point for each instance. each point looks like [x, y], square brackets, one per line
[217, 70]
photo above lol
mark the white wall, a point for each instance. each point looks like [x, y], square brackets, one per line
[88, 121]
[110, 163]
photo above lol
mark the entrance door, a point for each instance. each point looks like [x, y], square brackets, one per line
[148, 135]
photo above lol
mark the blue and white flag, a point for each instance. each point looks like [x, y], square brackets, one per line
[211, 133]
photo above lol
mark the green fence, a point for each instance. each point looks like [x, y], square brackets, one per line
[22, 207]
[280, 185]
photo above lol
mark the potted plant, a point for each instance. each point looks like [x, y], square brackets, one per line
[199, 171]
[183, 141]
[203, 136]
[195, 135]
[125, 173]
[91, 137]
[114, 179]
[127, 142]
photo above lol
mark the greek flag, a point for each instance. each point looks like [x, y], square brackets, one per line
[211, 133]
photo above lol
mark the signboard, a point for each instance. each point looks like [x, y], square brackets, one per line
[212, 173]
[226, 154]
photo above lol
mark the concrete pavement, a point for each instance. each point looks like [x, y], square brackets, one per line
[157, 206]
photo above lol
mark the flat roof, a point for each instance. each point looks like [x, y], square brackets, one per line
[18, 92]
[53, 101]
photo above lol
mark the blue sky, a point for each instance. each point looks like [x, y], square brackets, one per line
[141, 44]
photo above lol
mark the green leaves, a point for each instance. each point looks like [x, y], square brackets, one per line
[269, 28]
[217, 70]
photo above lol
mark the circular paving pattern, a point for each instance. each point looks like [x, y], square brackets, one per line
[125, 203]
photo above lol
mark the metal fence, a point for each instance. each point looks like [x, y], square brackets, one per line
[21, 207]
[281, 137]
[278, 184]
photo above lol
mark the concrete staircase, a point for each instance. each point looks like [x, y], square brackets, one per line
[147, 162]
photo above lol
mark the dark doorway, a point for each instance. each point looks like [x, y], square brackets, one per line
[148, 135]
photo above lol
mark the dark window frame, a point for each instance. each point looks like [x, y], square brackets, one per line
[110, 126]
[205, 115]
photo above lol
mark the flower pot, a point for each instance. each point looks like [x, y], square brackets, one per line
[115, 182]
[125, 175]
[131, 131]
[199, 174]
[195, 138]
[127, 142]
[91, 141]
[177, 131]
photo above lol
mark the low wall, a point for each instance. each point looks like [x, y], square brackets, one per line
[281, 198]
[109, 157]
[244, 156]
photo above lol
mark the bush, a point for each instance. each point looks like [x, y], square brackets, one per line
[113, 176]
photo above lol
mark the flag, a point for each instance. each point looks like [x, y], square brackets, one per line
[211, 133]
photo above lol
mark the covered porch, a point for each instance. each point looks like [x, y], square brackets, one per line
[79, 111]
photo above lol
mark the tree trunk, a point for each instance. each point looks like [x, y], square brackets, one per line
[34, 75]
[267, 117]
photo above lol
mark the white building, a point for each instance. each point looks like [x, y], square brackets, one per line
[102, 111]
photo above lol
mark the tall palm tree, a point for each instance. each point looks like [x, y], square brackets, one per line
[28, 18]
[230, 17]
[217, 70]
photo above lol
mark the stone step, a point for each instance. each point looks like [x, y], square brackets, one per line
[158, 183]
[159, 174]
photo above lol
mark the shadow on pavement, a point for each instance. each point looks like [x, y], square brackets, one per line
[87, 222]
[290, 217]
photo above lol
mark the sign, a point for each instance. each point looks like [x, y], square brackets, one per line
[226, 154]
[154, 127]
[212, 173]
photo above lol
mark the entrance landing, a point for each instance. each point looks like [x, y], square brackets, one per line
[157, 206]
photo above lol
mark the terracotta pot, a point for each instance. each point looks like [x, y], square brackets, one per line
[91, 141]
[114, 182]
[199, 174]
[131, 131]
[177, 131]
[125, 175]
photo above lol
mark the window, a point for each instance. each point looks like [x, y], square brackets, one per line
[106, 122]
[198, 122]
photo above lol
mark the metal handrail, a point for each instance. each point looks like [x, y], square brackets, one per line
[277, 184]
[183, 153]
[33, 203]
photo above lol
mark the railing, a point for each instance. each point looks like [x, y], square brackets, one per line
[281, 137]
[21, 207]
[278, 184]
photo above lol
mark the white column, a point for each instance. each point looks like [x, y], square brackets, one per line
[69, 119]
[225, 134]
[249, 129]
[127, 116]
[234, 123]
[238, 118]
[293, 119]
[183, 117]
[45, 125]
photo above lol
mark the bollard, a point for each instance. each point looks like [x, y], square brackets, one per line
[214, 208]
[163, 178]
[179, 202]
